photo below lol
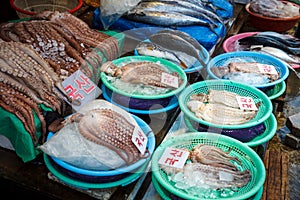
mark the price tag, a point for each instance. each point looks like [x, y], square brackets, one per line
[174, 157]
[139, 139]
[269, 69]
[169, 79]
[79, 86]
[246, 103]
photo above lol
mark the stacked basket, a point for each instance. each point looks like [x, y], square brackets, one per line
[136, 103]
[90, 179]
[249, 160]
[273, 88]
[256, 131]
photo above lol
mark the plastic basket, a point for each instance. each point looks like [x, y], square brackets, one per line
[106, 174]
[263, 113]
[276, 91]
[168, 196]
[28, 8]
[270, 124]
[172, 103]
[248, 157]
[128, 59]
[86, 185]
[249, 56]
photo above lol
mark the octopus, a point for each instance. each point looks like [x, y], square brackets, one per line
[143, 72]
[216, 168]
[26, 80]
[64, 41]
[109, 128]
[208, 106]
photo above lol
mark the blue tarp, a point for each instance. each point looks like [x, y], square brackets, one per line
[142, 31]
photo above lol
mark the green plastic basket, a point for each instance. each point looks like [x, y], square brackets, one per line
[128, 59]
[248, 157]
[165, 195]
[271, 127]
[263, 113]
[276, 91]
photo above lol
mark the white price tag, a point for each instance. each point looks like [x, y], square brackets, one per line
[139, 139]
[174, 157]
[169, 79]
[269, 69]
[78, 86]
[246, 103]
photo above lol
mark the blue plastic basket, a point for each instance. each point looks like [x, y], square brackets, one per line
[248, 56]
[105, 173]
[173, 103]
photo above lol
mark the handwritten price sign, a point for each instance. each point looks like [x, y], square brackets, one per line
[79, 86]
[269, 69]
[139, 139]
[174, 157]
[169, 80]
[246, 103]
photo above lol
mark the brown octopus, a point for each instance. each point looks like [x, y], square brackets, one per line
[108, 128]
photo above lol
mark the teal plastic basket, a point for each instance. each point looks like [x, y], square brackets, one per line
[168, 196]
[276, 91]
[249, 56]
[129, 59]
[263, 113]
[248, 157]
[270, 124]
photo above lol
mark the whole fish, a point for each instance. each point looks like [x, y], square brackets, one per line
[177, 57]
[170, 19]
[187, 37]
[268, 41]
[278, 53]
[170, 7]
[195, 7]
[176, 43]
[285, 39]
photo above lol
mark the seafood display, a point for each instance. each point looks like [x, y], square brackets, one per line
[208, 107]
[26, 80]
[274, 8]
[246, 72]
[64, 41]
[209, 171]
[140, 76]
[38, 54]
[289, 45]
[109, 128]
[177, 13]
[176, 46]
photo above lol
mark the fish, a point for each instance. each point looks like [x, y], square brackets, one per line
[278, 53]
[179, 58]
[176, 43]
[170, 7]
[187, 37]
[169, 19]
[195, 7]
[268, 41]
[285, 39]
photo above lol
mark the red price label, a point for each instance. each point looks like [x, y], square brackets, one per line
[174, 157]
[169, 79]
[79, 86]
[246, 103]
[269, 69]
[139, 139]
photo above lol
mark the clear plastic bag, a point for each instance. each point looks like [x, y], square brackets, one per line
[112, 10]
